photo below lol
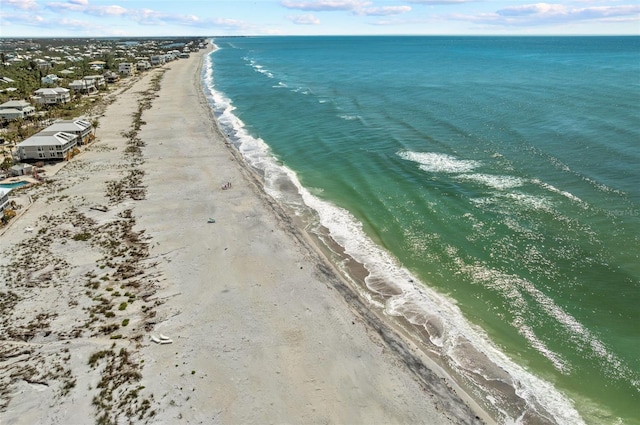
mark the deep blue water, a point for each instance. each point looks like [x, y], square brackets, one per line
[490, 186]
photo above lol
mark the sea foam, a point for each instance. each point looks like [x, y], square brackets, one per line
[438, 162]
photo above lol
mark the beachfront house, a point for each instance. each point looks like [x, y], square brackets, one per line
[79, 127]
[97, 80]
[143, 65]
[126, 68]
[4, 198]
[158, 60]
[82, 86]
[41, 147]
[111, 77]
[16, 109]
[46, 96]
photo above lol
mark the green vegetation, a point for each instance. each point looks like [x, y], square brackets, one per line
[84, 236]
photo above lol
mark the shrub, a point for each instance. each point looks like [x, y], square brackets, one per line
[84, 236]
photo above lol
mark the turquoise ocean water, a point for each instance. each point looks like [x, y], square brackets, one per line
[489, 185]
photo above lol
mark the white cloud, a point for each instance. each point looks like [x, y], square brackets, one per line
[325, 5]
[107, 11]
[533, 9]
[144, 16]
[538, 14]
[385, 10]
[357, 7]
[69, 6]
[442, 2]
[22, 4]
[304, 20]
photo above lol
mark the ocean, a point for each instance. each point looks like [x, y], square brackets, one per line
[489, 186]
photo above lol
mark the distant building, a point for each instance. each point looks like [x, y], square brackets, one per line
[158, 60]
[52, 96]
[97, 65]
[42, 64]
[82, 86]
[16, 109]
[111, 77]
[143, 65]
[126, 68]
[97, 80]
[50, 79]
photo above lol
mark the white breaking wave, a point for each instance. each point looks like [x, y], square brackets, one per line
[259, 68]
[494, 181]
[439, 163]
[566, 194]
[517, 290]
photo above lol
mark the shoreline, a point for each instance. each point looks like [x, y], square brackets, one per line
[263, 328]
[395, 331]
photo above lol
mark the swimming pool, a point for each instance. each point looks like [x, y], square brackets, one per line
[14, 185]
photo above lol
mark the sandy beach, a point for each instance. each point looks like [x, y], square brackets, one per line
[124, 304]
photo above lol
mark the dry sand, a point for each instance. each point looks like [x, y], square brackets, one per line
[262, 329]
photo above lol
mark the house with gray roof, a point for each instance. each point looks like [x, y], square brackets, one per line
[46, 96]
[16, 109]
[79, 127]
[97, 80]
[42, 147]
[83, 86]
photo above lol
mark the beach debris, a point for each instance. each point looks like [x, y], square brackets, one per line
[162, 340]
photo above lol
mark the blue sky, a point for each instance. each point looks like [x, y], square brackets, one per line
[107, 18]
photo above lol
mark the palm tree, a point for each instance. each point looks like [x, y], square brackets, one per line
[95, 123]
